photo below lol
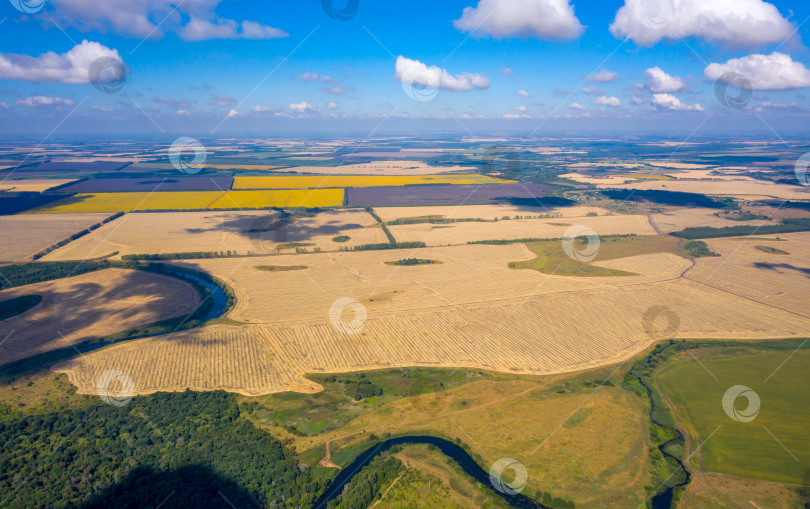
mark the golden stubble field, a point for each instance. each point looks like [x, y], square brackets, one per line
[678, 219]
[182, 232]
[32, 185]
[385, 168]
[553, 333]
[25, 235]
[780, 280]
[90, 306]
[463, 232]
[467, 274]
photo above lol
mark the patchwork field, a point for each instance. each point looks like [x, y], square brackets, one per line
[741, 188]
[467, 274]
[128, 202]
[306, 198]
[463, 232]
[183, 232]
[150, 184]
[543, 334]
[779, 280]
[139, 201]
[488, 212]
[91, 306]
[328, 181]
[441, 194]
[31, 185]
[26, 235]
[383, 168]
[681, 218]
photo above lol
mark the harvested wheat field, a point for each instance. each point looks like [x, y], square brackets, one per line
[779, 280]
[678, 219]
[242, 232]
[750, 189]
[463, 232]
[488, 212]
[91, 306]
[597, 180]
[32, 185]
[26, 235]
[539, 335]
[384, 168]
[466, 274]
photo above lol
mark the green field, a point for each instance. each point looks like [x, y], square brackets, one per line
[552, 259]
[775, 446]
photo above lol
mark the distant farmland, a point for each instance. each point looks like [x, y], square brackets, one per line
[150, 184]
[194, 200]
[443, 194]
[322, 181]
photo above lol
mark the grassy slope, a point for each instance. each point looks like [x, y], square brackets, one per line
[577, 442]
[432, 480]
[745, 449]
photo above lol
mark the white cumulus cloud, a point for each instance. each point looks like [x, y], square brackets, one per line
[544, 19]
[776, 71]
[414, 71]
[577, 106]
[602, 76]
[523, 93]
[735, 23]
[39, 100]
[303, 107]
[153, 18]
[604, 100]
[670, 102]
[71, 67]
[660, 81]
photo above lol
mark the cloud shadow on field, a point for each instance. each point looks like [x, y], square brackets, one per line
[279, 227]
[68, 311]
[783, 266]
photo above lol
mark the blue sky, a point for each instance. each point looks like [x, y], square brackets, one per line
[226, 76]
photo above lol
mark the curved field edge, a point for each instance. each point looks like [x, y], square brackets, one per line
[30, 273]
[675, 420]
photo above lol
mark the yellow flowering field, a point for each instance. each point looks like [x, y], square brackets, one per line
[328, 181]
[128, 202]
[280, 198]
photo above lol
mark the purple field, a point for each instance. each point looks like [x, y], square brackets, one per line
[442, 194]
[124, 185]
[96, 166]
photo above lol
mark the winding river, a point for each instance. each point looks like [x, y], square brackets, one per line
[454, 451]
